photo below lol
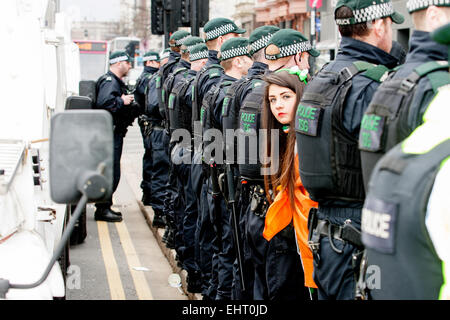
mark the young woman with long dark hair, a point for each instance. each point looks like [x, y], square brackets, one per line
[287, 217]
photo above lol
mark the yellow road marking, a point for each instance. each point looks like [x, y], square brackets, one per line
[140, 282]
[112, 271]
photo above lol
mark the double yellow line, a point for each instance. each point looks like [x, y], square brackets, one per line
[112, 271]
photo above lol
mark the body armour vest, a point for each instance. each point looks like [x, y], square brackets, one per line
[230, 111]
[180, 114]
[385, 121]
[167, 89]
[248, 135]
[330, 163]
[393, 224]
[162, 75]
[213, 70]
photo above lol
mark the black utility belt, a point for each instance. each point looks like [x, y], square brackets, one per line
[346, 232]
[258, 200]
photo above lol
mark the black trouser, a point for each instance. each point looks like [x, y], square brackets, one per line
[257, 247]
[204, 232]
[189, 250]
[146, 184]
[335, 273]
[160, 168]
[118, 147]
[224, 254]
[174, 206]
[249, 274]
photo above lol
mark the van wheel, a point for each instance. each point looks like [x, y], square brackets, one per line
[63, 260]
[79, 232]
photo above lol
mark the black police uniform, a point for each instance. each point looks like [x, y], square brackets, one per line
[139, 97]
[224, 254]
[176, 183]
[335, 267]
[404, 115]
[237, 95]
[110, 89]
[180, 102]
[155, 142]
[203, 83]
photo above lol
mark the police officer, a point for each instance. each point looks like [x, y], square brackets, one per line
[180, 112]
[217, 31]
[408, 90]
[406, 213]
[112, 95]
[158, 161]
[173, 204]
[233, 101]
[151, 61]
[235, 60]
[178, 174]
[327, 125]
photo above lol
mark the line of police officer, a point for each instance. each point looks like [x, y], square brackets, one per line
[352, 112]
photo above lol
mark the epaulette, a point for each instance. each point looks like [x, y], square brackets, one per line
[377, 73]
[214, 73]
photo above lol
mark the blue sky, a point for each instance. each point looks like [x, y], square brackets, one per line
[98, 10]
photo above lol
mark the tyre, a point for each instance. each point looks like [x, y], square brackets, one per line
[79, 232]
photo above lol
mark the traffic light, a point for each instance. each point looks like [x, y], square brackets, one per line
[185, 13]
[157, 17]
[172, 14]
[203, 13]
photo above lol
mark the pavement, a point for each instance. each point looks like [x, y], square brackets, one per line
[131, 166]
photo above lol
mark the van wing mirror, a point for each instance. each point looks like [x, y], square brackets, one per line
[81, 145]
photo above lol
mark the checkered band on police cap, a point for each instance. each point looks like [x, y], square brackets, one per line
[179, 42]
[220, 31]
[199, 55]
[415, 5]
[234, 52]
[260, 43]
[369, 13]
[291, 50]
[118, 57]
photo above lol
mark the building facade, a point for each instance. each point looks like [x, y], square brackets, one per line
[245, 15]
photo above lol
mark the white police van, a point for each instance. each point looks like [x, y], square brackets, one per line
[40, 69]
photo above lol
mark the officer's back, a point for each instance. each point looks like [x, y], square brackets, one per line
[327, 125]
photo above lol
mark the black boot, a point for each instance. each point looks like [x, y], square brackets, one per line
[194, 282]
[106, 214]
[158, 221]
[146, 199]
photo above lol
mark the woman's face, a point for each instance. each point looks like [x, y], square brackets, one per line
[282, 103]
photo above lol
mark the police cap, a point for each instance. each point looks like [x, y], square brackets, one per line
[151, 56]
[165, 54]
[191, 42]
[368, 10]
[119, 56]
[178, 38]
[288, 42]
[234, 47]
[260, 37]
[199, 51]
[219, 27]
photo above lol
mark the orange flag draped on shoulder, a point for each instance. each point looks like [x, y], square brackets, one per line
[280, 214]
